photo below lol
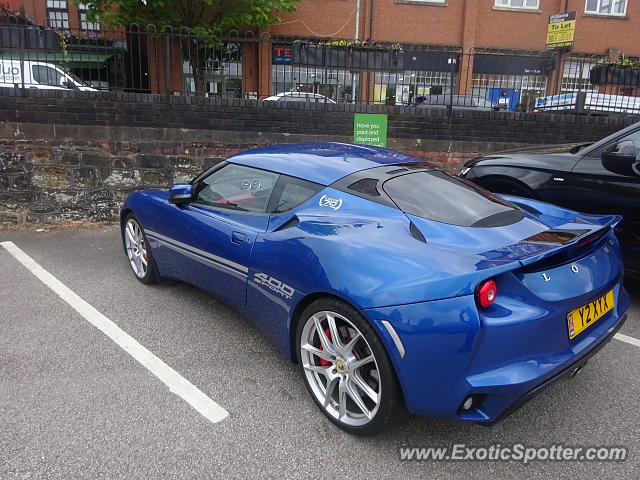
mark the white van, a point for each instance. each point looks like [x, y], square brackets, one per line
[39, 75]
[593, 103]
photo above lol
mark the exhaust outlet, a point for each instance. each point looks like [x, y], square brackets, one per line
[576, 371]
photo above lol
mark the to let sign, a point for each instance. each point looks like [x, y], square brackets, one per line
[561, 30]
[370, 129]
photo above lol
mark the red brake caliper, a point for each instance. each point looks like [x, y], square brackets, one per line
[144, 249]
[323, 362]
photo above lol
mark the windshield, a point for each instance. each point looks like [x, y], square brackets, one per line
[76, 79]
[436, 195]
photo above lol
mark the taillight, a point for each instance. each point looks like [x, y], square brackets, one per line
[486, 293]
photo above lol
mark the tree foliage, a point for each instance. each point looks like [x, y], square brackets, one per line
[204, 18]
[201, 16]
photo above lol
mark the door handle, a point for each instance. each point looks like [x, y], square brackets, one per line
[238, 237]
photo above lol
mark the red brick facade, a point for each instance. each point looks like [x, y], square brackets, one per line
[463, 24]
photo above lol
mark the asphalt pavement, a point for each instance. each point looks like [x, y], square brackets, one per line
[73, 404]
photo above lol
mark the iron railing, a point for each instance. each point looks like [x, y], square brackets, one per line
[261, 66]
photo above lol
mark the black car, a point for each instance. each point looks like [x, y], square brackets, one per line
[603, 177]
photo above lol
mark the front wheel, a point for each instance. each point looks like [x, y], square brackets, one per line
[346, 368]
[138, 251]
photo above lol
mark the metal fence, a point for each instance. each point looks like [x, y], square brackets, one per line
[236, 65]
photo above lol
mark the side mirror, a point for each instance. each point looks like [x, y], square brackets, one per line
[180, 193]
[621, 159]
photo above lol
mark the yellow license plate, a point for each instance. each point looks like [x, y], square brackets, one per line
[587, 315]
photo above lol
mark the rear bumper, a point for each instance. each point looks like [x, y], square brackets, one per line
[568, 370]
[452, 354]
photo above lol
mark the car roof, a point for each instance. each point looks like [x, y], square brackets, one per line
[320, 162]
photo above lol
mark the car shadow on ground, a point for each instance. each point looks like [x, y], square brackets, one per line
[540, 421]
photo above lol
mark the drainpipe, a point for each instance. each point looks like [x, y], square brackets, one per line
[372, 10]
[357, 20]
[356, 37]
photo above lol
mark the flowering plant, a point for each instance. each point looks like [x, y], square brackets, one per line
[82, 35]
[367, 43]
[623, 61]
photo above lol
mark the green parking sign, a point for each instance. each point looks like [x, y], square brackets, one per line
[370, 129]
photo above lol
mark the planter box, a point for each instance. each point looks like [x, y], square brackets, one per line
[615, 75]
[29, 37]
[88, 42]
[336, 57]
[371, 59]
[356, 58]
[308, 55]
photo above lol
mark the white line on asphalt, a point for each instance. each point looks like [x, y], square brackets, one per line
[172, 379]
[626, 338]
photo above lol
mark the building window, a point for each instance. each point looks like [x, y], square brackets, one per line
[84, 24]
[515, 93]
[575, 75]
[606, 7]
[57, 13]
[440, 2]
[402, 88]
[525, 4]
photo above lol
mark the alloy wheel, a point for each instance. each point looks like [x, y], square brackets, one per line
[136, 248]
[340, 368]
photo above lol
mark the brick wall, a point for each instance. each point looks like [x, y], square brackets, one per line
[74, 156]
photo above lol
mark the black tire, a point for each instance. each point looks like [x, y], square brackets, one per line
[151, 274]
[508, 187]
[390, 407]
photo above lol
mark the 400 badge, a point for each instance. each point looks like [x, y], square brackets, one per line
[274, 284]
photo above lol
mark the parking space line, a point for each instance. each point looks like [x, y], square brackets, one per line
[626, 338]
[172, 379]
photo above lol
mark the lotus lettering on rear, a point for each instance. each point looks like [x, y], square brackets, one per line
[546, 277]
[332, 203]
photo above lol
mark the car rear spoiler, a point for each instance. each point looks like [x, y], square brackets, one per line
[553, 246]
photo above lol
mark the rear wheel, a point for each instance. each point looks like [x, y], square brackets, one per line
[138, 251]
[346, 368]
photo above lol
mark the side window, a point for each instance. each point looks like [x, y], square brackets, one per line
[291, 192]
[45, 75]
[237, 187]
[632, 137]
[629, 145]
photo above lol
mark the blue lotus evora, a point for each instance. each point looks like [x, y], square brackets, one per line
[394, 285]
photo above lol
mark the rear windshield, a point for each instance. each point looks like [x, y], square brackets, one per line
[436, 195]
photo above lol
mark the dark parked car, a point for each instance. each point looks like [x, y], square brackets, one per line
[603, 177]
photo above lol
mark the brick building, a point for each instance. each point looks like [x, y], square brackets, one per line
[489, 48]
[500, 42]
